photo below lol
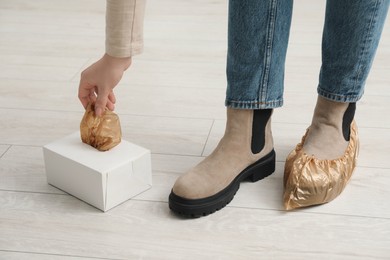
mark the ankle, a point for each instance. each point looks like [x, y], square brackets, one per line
[329, 131]
[328, 112]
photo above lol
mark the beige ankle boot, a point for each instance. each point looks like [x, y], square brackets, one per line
[244, 152]
[319, 168]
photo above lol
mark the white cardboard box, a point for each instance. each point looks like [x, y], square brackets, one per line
[102, 179]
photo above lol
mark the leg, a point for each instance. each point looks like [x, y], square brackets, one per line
[257, 43]
[328, 152]
[351, 35]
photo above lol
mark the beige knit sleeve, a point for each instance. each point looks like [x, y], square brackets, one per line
[124, 27]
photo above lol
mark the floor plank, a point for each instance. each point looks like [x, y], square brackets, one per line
[136, 229]
[159, 134]
[22, 169]
[157, 100]
[9, 255]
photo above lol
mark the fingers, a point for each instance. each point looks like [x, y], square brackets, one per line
[84, 93]
[92, 96]
[110, 105]
[97, 83]
[101, 101]
[112, 97]
[111, 101]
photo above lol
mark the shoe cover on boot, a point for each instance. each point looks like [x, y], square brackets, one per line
[311, 181]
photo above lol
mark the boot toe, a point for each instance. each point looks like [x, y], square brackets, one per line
[187, 186]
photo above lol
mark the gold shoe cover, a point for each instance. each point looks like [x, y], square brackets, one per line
[102, 132]
[309, 181]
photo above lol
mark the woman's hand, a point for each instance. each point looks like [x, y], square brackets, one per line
[98, 81]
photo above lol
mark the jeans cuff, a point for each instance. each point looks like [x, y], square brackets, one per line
[337, 97]
[253, 104]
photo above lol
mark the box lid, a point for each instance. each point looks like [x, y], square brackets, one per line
[91, 157]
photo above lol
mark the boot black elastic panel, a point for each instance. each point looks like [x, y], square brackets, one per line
[347, 120]
[260, 119]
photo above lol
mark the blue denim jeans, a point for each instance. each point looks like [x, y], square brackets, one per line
[257, 43]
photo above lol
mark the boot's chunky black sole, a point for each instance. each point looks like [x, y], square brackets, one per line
[195, 208]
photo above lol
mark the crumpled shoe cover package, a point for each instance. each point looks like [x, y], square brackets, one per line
[102, 132]
[309, 181]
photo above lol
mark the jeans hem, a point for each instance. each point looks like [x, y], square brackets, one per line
[253, 104]
[337, 97]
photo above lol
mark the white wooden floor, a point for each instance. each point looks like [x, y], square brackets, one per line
[171, 101]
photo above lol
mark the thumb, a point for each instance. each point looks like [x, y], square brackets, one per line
[101, 102]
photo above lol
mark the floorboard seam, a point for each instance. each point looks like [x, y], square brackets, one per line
[50, 254]
[279, 210]
[6, 150]
[306, 212]
[207, 139]
[35, 192]
[78, 72]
